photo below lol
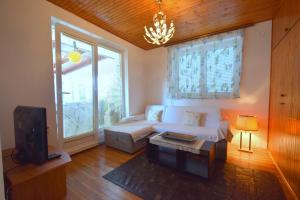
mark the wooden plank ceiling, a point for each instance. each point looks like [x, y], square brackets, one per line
[192, 18]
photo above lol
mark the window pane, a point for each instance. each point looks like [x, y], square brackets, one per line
[189, 74]
[110, 101]
[77, 87]
[220, 70]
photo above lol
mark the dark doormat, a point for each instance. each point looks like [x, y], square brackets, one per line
[153, 181]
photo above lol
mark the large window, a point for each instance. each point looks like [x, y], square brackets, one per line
[206, 68]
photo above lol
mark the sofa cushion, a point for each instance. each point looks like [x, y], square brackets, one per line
[193, 118]
[175, 114]
[154, 115]
[154, 112]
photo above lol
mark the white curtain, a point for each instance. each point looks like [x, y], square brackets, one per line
[206, 68]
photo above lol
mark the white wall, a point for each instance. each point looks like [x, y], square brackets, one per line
[26, 59]
[255, 80]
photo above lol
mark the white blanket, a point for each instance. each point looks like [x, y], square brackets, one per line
[203, 133]
[137, 129]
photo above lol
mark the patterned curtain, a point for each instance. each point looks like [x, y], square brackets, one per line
[207, 68]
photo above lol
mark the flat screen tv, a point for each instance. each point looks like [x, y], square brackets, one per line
[30, 135]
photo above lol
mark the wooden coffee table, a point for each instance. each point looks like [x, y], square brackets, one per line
[201, 163]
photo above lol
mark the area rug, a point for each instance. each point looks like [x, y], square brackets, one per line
[153, 181]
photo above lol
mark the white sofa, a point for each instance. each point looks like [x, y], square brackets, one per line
[130, 134]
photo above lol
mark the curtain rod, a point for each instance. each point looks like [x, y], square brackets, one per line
[209, 34]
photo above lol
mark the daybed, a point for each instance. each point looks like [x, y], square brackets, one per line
[130, 135]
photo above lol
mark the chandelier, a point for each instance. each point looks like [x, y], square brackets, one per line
[161, 34]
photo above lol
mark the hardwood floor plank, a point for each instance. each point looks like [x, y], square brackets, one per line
[85, 172]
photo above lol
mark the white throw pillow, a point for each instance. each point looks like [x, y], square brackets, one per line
[154, 115]
[193, 118]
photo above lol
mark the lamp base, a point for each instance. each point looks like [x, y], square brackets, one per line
[249, 149]
[246, 150]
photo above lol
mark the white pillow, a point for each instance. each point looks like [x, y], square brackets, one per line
[193, 118]
[154, 115]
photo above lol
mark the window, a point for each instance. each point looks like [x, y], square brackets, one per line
[206, 68]
[110, 93]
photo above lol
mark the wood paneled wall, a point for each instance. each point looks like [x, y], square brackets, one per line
[284, 128]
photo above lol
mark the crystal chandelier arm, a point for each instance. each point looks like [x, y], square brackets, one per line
[148, 34]
[153, 33]
[171, 29]
[148, 40]
[169, 35]
[164, 29]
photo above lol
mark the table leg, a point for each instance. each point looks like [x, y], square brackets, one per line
[152, 152]
[180, 159]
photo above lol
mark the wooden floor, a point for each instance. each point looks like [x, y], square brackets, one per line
[84, 173]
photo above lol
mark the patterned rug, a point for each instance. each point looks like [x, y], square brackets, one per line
[153, 181]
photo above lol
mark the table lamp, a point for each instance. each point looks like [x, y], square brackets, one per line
[246, 123]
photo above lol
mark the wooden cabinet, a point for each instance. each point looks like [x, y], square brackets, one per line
[285, 19]
[294, 59]
[284, 128]
[35, 182]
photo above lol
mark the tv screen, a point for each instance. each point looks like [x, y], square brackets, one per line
[30, 134]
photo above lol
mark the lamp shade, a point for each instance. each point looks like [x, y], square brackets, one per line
[246, 123]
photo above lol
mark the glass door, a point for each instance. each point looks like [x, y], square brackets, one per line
[89, 88]
[75, 83]
[77, 87]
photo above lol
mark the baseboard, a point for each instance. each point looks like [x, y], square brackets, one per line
[293, 194]
[82, 147]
